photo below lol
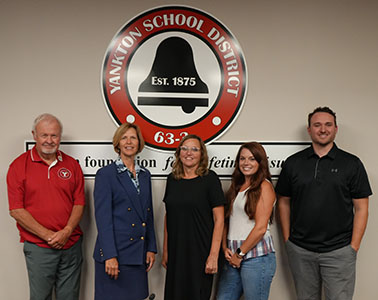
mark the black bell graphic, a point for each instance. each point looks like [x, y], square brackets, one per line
[173, 79]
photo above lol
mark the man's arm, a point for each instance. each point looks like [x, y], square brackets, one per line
[27, 221]
[361, 212]
[284, 213]
[60, 238]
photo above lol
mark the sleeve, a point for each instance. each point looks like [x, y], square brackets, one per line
[79, 195]
[16, 185]
[104, 215]
[283, 186]
[216, 195]
[169, 178]
[151, 239]
[359, 186]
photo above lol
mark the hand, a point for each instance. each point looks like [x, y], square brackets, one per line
[235, 261]
[211, 265]
[355, 248]
[48, 235]
[59, 238]
[150, 259]
[228, 254]
[111, 267]
[164, 259]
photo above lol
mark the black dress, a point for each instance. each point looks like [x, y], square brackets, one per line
[189, 204]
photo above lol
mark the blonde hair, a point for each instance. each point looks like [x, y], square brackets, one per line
[178, 169]
[121, 131]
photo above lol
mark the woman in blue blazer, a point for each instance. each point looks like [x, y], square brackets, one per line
[126, 245]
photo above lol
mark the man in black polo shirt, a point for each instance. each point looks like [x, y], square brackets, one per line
[323, 195]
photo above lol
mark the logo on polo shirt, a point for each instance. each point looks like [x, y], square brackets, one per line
[64, 173]
[174, 71]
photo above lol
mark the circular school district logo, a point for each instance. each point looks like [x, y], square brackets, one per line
[64, 173]
[174, 71]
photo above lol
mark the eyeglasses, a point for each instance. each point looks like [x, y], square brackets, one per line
[186, 149]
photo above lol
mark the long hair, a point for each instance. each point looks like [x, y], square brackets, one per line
[254, 191]
[178, 169]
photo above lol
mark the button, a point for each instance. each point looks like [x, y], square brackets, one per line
[131, 239]
[133, 225]
[148, 209]
[142, 237]
[144, 224]
[129, 209]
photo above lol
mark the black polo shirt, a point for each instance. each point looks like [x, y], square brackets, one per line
[321, 192]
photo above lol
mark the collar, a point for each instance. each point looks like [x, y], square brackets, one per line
[331, 154]
[122, 168]
[35, 157]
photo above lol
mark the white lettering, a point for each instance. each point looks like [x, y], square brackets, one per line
[115, 71]
[180, 19]
[147, 25]
[232, 65]
[171, 20]
[154, 21]
[225, 47]
[114, 89]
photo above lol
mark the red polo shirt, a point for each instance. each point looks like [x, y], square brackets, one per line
[48, 193]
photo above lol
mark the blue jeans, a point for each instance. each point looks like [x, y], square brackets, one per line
[253, 279]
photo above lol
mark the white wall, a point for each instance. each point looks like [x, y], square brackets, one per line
[300, 54]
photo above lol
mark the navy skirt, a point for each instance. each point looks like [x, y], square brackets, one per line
[131, 284]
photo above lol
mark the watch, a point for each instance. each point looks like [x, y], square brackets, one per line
[240, 253]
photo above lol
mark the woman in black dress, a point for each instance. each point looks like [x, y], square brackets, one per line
[193, 223]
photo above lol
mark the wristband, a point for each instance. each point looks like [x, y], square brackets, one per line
[240, 253]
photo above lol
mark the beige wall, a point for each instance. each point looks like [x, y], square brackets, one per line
[300, 54]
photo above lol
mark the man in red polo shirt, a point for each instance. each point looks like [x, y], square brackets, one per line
[46, 198]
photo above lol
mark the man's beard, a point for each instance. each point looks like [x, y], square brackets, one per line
[49, 151]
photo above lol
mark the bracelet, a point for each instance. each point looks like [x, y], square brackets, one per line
[238, 256]
[240, 253]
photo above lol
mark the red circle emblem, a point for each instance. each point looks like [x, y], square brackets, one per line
[64, 173]
[174, 70]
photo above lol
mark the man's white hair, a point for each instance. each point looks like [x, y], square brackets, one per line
[46, 117]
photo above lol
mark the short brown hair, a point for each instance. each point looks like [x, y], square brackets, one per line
[325, 109]
[178, 169]
[121, 131]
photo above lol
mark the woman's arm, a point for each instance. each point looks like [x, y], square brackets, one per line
[264, 210]
[212, 260]
[227, 251]
[164, 260]
[104, 214]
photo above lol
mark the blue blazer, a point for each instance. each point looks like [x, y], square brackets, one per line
[124, 219]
